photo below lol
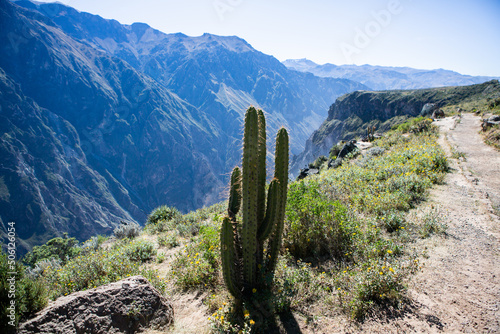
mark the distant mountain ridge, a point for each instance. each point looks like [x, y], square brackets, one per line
[387, 78]
[219, 75]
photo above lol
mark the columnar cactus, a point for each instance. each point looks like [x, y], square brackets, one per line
[249, 249]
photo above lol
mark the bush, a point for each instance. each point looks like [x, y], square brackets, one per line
[140, 251]
[30, 295]
[375, 151]
[41, 266]
[168, 240]
[393, 221]
[318, 163]
[60, 248]
[335, 150]
[198, 265]
[416, 125]
[187, 225]
[431, 223]
[377, 283]
[315, 225]
[162, 213]
[99, 267]
[130, 230]
[94, 242]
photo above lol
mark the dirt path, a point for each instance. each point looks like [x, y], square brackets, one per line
[459, 289]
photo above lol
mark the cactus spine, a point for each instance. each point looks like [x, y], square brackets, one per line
[249, 249]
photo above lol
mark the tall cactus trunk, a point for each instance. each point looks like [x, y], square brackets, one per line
[244, 264]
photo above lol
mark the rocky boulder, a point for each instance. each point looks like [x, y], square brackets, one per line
[438, 113]
[348, 147]
[126, 306]
[428, 109]
[489, 122]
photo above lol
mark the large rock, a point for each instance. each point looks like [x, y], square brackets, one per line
[428, 109]
[125, 306]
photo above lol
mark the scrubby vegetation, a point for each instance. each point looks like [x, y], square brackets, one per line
[30, 295]
[348, 238]
[58, 248]
[347, 242]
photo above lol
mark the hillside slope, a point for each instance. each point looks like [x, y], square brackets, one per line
[219, 75]
[142, 144]
[353, 113]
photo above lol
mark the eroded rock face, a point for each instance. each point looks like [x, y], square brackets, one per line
[125, 306]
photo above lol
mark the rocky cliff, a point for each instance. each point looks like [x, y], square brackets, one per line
[351, 114]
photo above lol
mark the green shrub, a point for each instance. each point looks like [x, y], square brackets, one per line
[29, 295]
[61, 248]
[393, 221]
[99, 267]
[130, 230]
[141, 251]
[162, 213]
[335, 150]
[187, 225]
[315, 225]
[376, 283]
[168, 240]
[319, 162]
[431, 223]
[198, 265]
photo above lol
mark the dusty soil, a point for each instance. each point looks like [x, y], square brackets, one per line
[458, 288]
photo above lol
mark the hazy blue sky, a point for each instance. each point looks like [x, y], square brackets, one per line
[460, 35]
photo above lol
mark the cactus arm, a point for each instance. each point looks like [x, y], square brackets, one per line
[261, 167]
[273, 200]
[229, 261]
[234, 194]
[281, 173]
[249, 194]
[281, 169]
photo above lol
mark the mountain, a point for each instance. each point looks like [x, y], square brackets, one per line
[351, 114]
[387, 78]
[220, 76]
[102, 122]
[87, 140]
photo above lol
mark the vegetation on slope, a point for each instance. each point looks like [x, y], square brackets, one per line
[347, 243]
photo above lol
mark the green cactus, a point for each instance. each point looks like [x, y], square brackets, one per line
[249, 249]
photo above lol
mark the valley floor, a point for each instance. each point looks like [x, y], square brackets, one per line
[458, 288]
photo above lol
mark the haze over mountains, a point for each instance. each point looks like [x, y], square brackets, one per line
[385, 78]
[102, 122]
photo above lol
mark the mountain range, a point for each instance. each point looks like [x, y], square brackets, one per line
[102, 122]
[385, 77]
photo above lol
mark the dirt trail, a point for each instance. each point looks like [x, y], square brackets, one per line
[458, 290]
